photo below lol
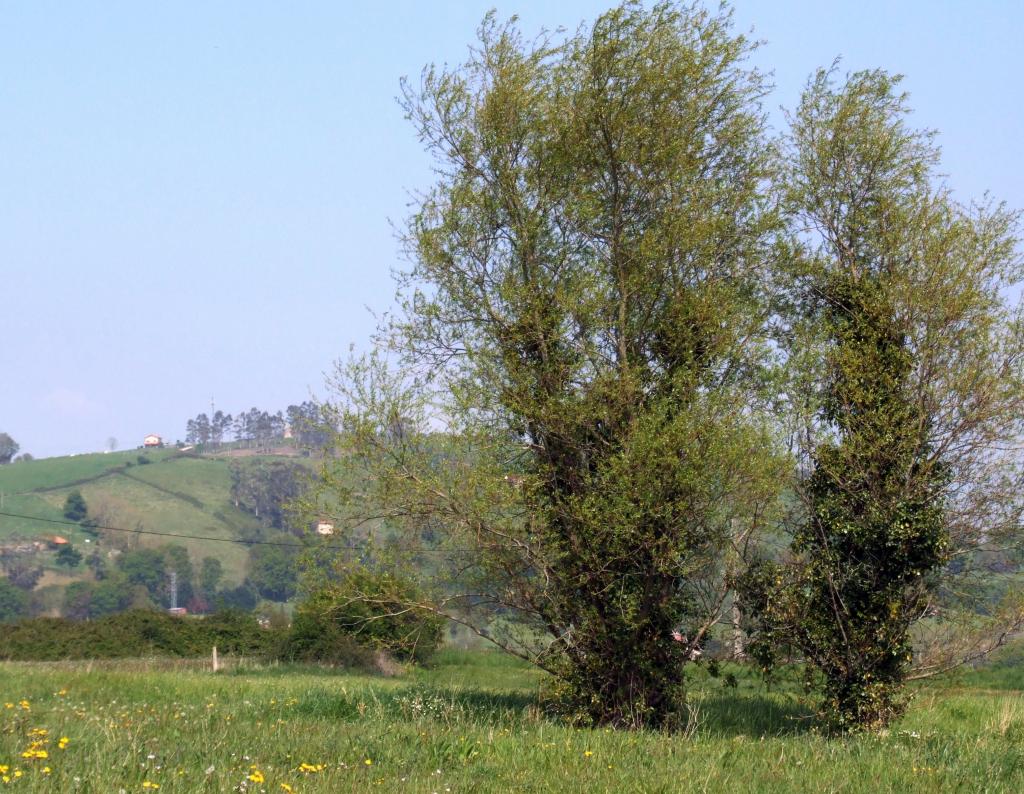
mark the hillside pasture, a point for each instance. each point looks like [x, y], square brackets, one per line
[178, 494]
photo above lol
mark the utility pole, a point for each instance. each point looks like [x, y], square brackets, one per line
[174, 590]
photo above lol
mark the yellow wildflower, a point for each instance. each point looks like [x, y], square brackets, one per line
[63, 742]
[587, 753]
[147, 784]
[368, 762]
[286, 787]
[256, 776]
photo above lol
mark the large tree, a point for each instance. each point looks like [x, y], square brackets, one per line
[912, 444]
[574, 417]
[8, 448]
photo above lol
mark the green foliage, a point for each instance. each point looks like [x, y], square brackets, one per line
[8, 448]
[145, 567]
[13, 601]
[915, 412]
[314, 638]
[586, 307]
[374, 608]
[133, 634]
[211, 571]
[273, 571]
[243, 598]
[85, 599]
[68, 556]
[265, 488]
[75, 508]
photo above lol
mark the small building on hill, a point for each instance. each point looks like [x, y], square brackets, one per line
[324, 527]
[152, 440]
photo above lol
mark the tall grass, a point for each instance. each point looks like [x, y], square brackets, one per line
[468, 722]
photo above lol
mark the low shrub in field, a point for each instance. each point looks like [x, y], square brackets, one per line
[137, 633]
[315, 639]
[370, 609]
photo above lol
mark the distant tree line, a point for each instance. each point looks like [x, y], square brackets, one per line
[259, 429]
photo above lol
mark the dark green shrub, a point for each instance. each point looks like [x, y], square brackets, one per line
[75, 508]
[137, 633]
[244, 597]
[317, 639]
[68, 556]
[13, 601]
[372, 608]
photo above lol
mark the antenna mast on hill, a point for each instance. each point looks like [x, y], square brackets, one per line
[174, 590]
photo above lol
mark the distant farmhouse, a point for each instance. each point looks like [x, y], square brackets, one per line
[152, 440]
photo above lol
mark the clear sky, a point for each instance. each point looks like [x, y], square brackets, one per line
[195, 197]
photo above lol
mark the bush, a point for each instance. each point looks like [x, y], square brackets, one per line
[137, 633]
[314, 638]
[75, 508]
[244, 597]
[372, 609]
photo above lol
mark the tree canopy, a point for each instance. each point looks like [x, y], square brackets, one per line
[585, 316]
[637, 335]
[8, 448]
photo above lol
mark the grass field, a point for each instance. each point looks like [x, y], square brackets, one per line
[470, 723]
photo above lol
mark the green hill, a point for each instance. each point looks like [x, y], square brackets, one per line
[163, 491]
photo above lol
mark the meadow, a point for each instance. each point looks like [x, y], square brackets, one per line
[183, 494]
[469, 722]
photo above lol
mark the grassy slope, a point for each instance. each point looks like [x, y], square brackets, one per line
[180, 494]
[471, 724]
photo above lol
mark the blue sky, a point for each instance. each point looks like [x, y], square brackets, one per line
[195, 197]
